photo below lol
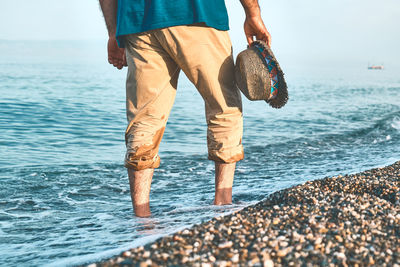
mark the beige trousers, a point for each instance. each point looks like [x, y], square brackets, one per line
[155, 59]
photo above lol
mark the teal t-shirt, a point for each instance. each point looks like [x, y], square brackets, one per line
[135, 16]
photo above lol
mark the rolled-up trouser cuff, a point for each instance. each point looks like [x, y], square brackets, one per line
[139, 164]
[224, 157]
[142, 155]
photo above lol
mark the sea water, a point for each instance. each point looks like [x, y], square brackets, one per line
[64, 193]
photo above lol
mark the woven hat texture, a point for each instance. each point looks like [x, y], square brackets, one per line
[257, 72]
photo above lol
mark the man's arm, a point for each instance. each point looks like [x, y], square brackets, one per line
[254, 25]
[116, 55]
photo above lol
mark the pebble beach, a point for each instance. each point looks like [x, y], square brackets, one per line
[351, 220]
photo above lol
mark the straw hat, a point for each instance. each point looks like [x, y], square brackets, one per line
[259, 76]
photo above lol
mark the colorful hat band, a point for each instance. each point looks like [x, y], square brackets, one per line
[272, 69]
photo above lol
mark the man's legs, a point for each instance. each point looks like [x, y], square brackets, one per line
[150, 93]
[140, 183]
[205, 55]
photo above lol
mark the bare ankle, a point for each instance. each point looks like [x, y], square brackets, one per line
[142, 210]
[223, 196]
[140, 183]
[224, 173]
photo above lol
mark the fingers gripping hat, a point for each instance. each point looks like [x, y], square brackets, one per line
[259, 76]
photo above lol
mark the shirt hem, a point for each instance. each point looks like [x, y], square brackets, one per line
[219, 26]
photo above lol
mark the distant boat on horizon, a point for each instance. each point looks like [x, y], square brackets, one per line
[376, 67]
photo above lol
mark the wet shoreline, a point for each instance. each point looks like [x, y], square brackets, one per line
[342, 220]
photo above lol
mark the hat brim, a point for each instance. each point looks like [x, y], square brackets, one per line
[282, 95]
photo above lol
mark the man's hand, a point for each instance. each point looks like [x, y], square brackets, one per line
[254, 25]
[116, 55]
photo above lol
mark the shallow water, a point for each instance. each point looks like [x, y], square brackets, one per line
[64, 193]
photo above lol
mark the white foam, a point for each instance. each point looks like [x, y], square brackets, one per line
[95, 187]
[396, 124]
[103, 216]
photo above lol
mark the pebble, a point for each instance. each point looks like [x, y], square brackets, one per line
[126, 254]
[275, 221]
[281, 253]
[235, 258]
[268, 263]
[225, 245]
[346, 220]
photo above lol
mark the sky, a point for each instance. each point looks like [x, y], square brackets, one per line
[307, 31]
